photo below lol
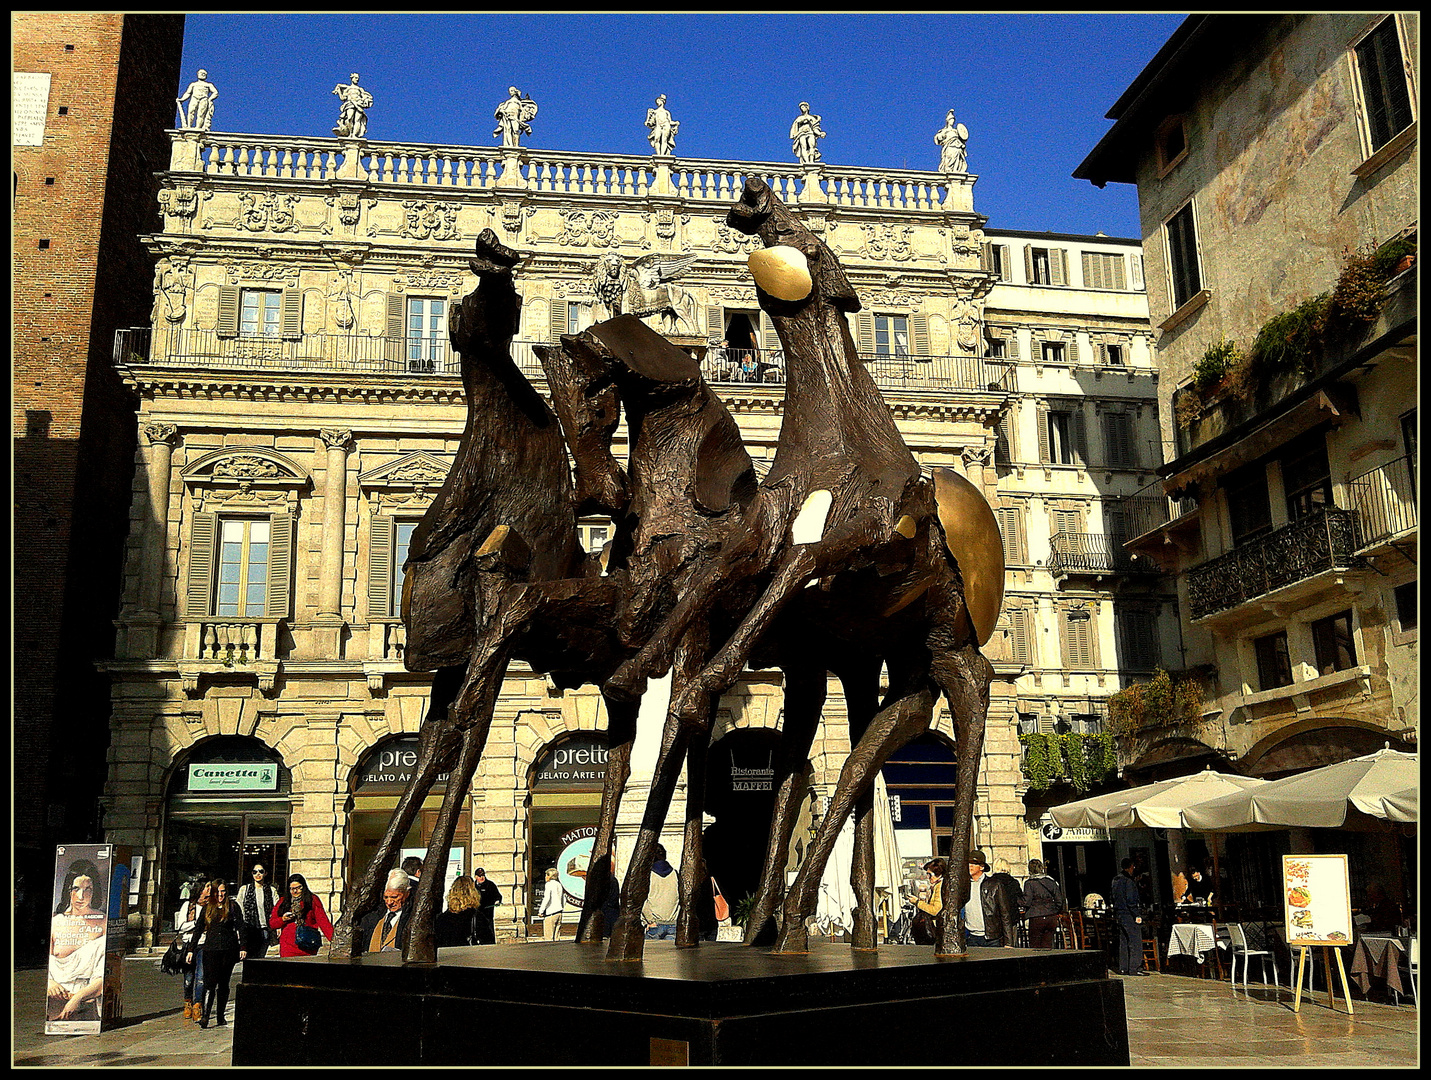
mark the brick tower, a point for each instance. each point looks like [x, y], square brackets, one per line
[94, 94]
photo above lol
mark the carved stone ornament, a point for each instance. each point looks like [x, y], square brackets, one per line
[251, 478]
[340, 301]
[180, 201]
[409, 482]
[336, 438]
[267, 212]
[665, 218]
[588, 228]
[161, 433]
[174, 280]
[729, 242]
[430, 280]
[245, 467]
[349, 207]
[259, 271]
[430, 221]
[890, 242]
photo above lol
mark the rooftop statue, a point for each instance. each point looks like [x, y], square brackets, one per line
[201, 95]
[514, 117]
[954, 138]
[803, 135]
[663, 129]
[353, 117]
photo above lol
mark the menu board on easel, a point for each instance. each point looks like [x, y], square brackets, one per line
[1316, 897]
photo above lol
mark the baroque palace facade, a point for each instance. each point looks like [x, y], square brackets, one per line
[300, 408]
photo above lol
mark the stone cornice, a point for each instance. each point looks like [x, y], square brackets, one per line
[303, 387]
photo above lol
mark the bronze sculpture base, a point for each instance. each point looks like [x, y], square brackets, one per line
[719, 1004]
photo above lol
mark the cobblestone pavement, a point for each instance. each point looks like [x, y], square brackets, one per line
[1173, 1021]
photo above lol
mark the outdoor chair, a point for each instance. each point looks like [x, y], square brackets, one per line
[1412, 964]
[1237, 939]
[1150, 946]
[1070, 925]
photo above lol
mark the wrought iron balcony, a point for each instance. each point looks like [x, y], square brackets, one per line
[1385, 501]
[1094, 553]
[1325, 540]
[425, 356]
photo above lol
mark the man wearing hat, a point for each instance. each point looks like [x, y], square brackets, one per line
[989, 919]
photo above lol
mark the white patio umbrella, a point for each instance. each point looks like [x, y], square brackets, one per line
[1382, 785]
[1160, 806]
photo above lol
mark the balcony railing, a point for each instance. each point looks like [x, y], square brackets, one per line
[440, 169]
[427, 356]
[1325, 540]
[1385, 501]
[1094, 553]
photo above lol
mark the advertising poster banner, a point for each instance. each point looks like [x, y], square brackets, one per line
[455, 856]
[88, 925]
[1316, 898]
[571, 865]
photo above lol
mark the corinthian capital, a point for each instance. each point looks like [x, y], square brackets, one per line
[336, 438]
[161, 433]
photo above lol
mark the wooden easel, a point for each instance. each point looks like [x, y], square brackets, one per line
[1303, 952]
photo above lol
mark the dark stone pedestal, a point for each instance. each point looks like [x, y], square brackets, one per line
[719, 1004]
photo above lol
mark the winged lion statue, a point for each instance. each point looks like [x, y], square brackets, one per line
[644, 288]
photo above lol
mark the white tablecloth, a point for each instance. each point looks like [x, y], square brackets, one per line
[1192, 939]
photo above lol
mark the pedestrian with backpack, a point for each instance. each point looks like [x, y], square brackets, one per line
[1043, 902]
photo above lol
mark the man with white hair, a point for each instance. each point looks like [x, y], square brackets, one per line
[385, 930]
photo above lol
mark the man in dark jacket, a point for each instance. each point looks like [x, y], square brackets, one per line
[385, 930]
[1043, 903]
[487, 913]
[989, 918]
[1128, 913]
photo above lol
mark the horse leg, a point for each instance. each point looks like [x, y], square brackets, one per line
[862, 703]
[890, 729]
[628, 938]
[964, 676]
[804, 700]
[601, 871]
[438, 741]
[473, 710]
[693, 863]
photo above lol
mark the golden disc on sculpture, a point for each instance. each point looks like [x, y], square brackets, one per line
[782, 271]
[972, 533]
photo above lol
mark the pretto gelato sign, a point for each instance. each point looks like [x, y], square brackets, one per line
[234, 776]
[578, 764]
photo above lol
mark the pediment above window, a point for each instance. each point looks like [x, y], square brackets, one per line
[245, 477]
[409, 482]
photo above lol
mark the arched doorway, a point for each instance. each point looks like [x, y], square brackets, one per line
[563, 812]
[740, 795]
[377, 783]
[227, 807]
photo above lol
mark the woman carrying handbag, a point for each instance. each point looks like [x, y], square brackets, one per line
[299, 919]
[458, 924]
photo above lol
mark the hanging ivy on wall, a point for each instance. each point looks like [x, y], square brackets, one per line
[1079, 760]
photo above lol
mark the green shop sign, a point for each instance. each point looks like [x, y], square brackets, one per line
[234, 776]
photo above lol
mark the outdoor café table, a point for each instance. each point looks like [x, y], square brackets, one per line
[1377, 955]
[1195, 940]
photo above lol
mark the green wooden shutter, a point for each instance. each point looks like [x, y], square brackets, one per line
[227, 325]
[380, 568]
[1079, 435]
[715, 322]
[199, 588]
[864, 332]
[919, 331]
[280, 566]
[292, 314]
[393, 340]
[1044, 454]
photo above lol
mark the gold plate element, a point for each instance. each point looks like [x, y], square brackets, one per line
[974, 540]
[782, 271]
[906, 527]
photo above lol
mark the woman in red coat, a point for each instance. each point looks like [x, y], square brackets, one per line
[300, 908]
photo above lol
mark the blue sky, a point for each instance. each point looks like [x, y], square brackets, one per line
[1031, 89]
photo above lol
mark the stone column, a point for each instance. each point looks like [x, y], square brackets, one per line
[335, 493]
[976, 460]
[162, 438]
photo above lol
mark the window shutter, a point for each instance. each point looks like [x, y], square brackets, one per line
[1073, 348]
[292, 315]
[1011, 529]
[280, 566]
[715, 323]
[228, 311]
[986, 258]
[919, 331]
[1065, 640]
[1119, 278]
[1100, 352]
[1078, 639]
[1111, 444]
[1028, 264]
[1092, 279]
[559, 326]
[767, 332]
[1080, 436]
[1022, 622]
[1011, 344]
[380, 568]
[864, 329]
[1004, 439]
[1057, 266]
[199, 589]
[1137, 272]
[393, 343]
[1004, 270]
[1043, 450]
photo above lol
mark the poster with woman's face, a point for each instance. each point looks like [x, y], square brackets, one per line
[78, 924]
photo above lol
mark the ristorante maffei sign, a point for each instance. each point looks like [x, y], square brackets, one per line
[234, 776]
